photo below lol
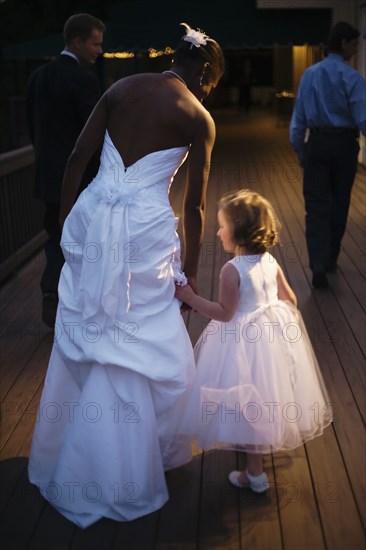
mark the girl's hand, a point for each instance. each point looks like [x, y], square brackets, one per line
[184, 293]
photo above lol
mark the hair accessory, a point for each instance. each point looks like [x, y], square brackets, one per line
[197, 38]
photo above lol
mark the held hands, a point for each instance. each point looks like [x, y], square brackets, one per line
[185, 294]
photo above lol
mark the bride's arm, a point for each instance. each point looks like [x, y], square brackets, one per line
[195, 194]
[89, 140]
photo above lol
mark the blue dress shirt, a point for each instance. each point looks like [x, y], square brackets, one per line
[331, 93]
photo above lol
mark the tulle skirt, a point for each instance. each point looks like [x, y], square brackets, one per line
[258, 386]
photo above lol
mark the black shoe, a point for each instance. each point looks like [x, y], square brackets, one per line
[319, 279]
[49, 308]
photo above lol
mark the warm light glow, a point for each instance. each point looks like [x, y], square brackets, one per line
[299, 62]
[119, 55]
[285, 93]
[157, 53]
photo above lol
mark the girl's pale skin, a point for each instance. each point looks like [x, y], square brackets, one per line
[224, 309]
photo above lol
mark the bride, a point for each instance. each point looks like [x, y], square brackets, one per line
[122, 356]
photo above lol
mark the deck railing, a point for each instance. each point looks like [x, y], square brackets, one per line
[21, 216]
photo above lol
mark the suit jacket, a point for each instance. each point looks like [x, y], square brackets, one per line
[60, 98]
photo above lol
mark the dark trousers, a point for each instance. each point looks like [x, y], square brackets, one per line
[330, 164]
[54, 256]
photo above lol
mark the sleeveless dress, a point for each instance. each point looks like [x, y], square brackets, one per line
[122, 356]
[258, 386]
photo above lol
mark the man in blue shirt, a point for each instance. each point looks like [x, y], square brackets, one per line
[331, 104]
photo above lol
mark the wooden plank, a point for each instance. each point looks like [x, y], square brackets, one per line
[358, 190]
[27, 275]
[253, 535]
[338, 511]
[302, 274]
[316, 498]
[139, 534]
[20, 395]
[352, 278]
[292, 219]
[344, 342]
[354, 247]
[15, 311]
[11, 264]
[53, 531]
[178, 523]
[300, 520]
[20, 341]
[19, 444]
[266, 533]
[99, 536]
[291, 224]
[355, 253]
[352, 310]
[219, 526]
[348, 419]
[11, 471]
[227, 178]
[21, 515]
[356, 221]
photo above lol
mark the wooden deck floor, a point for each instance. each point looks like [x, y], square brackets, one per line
[317, 494]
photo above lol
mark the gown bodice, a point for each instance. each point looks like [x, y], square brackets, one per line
[258, 281]
[116, 198]
[117, 183]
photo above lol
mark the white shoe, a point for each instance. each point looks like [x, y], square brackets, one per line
[258, 484]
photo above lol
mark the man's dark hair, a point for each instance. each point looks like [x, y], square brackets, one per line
[81, 25]
[341, 31]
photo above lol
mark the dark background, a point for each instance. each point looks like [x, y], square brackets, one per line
[31, 32]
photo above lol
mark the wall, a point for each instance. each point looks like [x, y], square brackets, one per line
[353, 11]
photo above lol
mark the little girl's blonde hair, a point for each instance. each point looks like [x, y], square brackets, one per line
[254, 222]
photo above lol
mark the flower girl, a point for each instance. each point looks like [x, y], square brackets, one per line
[258, 387]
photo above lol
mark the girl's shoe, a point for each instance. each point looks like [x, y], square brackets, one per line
[258, 484]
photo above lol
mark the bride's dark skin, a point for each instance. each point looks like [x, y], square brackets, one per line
[150, 112]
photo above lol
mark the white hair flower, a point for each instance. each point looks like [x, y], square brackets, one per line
[196, 38]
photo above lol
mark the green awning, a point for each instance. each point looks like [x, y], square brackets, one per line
[235, 24]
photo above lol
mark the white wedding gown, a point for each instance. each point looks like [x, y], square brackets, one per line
[122, 356]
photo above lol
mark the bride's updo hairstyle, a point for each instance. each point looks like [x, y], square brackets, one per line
[195, 47]
[253, 220]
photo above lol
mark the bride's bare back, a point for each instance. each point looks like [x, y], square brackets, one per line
[151, 112]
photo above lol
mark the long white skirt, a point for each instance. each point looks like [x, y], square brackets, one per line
[106, 433]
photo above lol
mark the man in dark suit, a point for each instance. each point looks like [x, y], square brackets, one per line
[60, 97]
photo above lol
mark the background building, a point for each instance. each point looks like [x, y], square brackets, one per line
[267, 44]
